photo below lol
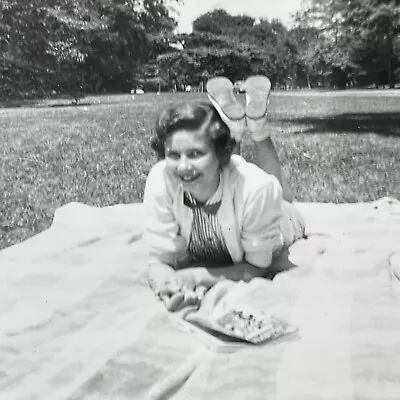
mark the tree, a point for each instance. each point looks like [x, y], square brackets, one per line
[118, 48]
[39, 36]
[219, 22]
[354, 37]
[96, 43]
[279, 51]
[325, 52]
[238, 46]
[375, 28]
[179, 68]
[307, 69]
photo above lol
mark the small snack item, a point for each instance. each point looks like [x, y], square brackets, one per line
[251, 327]
[242, 323]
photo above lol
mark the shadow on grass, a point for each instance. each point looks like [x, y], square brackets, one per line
[41, 103]
[72, 105]
[386, 123]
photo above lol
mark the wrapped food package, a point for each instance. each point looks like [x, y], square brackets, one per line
[242, 323]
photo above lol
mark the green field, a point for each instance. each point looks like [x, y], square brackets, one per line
[335, 147]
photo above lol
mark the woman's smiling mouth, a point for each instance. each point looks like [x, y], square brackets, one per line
[189, 178]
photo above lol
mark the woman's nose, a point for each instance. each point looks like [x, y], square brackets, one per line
[184, 164]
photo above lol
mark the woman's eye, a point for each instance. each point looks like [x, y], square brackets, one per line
[195, 154]
[173, 155]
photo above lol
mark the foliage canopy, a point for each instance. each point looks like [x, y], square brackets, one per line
[80, 46]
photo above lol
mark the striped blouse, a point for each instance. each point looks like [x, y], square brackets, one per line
[206, 240]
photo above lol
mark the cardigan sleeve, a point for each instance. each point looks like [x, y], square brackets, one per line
[161, 228]
[261, 229]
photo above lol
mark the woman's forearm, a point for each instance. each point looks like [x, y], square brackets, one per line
[209, 276]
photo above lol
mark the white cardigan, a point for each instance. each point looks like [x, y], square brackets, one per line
[250, 214]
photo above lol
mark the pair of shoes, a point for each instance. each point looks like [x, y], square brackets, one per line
[257, 88]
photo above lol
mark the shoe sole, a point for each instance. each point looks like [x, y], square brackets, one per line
[220, 91]
[257, 89]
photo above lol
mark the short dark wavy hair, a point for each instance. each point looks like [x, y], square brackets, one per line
[194, 117]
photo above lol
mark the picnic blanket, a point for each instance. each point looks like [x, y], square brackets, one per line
[78, 322]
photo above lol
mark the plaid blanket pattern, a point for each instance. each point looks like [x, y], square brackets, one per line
[77, 321]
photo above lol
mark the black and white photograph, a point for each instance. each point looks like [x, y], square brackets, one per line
[199, 199]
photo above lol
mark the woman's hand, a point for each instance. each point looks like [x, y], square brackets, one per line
[183, 297]
[169, 286]
[190, 293]
[188, 278]
[177, 289]
[171, 293]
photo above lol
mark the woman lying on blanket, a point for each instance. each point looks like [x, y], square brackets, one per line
[211, 215]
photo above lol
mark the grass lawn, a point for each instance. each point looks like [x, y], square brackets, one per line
[335, 147]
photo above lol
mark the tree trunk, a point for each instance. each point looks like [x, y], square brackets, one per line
[390, 73]
[390, 65]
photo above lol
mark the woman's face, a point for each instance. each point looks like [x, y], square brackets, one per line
[192, 161]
